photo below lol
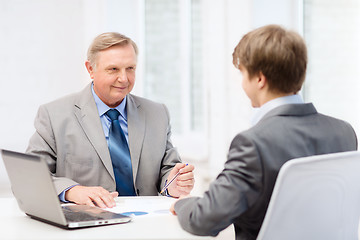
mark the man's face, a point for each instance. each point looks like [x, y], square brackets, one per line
[250, 86]
[114, 73]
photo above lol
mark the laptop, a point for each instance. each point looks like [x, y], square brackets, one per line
[35, 193]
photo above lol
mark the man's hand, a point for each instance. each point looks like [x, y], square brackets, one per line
[92, 196]
[184, 183]
[172, 207]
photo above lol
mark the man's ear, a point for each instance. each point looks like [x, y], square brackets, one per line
[90, 69]
[262, 81]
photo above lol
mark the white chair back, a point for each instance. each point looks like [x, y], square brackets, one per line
[315, 198]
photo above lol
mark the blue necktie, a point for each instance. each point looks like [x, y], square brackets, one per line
[120, 156]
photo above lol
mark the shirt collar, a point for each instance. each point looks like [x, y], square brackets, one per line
[270, 105]
[103, 108]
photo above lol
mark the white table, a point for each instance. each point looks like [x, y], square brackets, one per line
[14, 224]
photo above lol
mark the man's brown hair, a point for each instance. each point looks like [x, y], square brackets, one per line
[279, 54]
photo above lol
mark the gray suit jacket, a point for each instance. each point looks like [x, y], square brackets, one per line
[242, 191]
[70, 136]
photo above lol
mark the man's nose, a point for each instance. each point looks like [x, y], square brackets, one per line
[122, 76]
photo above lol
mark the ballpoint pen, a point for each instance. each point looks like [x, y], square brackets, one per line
[168, 184]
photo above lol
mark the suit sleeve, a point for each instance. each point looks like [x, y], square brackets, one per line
[171, 156]
[43, 144]
[236, 188]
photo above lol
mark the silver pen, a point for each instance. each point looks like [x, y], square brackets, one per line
[168, 184]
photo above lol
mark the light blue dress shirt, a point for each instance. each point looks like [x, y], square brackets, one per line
[106, 122]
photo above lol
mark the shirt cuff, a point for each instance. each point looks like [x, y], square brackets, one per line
[167, 194]
[62, 194]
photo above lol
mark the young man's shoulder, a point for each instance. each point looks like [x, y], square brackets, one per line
[276, 126]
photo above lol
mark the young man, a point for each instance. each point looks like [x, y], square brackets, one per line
[104, 141]
[273, 63]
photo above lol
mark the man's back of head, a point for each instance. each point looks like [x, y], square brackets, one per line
[279, 54]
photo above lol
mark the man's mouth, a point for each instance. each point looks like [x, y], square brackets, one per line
[120, 88]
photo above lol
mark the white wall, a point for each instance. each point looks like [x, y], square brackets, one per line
[42, 52]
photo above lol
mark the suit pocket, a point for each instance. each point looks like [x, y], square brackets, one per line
[84, 161]
[81, 169]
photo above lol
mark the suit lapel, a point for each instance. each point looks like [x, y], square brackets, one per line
[136, 129]
[88, 117]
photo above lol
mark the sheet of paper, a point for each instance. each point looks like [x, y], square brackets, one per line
[142, 206]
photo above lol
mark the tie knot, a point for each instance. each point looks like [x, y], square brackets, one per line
[113, 114]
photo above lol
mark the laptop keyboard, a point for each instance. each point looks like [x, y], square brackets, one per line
[79, 216]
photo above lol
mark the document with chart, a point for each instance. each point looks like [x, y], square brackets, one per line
[143, 206]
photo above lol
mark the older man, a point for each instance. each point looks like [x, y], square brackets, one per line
[104, 141]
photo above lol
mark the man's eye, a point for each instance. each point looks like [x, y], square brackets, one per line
[131, 68]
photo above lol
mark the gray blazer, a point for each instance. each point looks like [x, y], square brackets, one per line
[70, 136]
[242, 191]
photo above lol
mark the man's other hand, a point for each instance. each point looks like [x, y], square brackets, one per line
[92, 196]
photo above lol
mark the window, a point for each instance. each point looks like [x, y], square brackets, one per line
[173, 68]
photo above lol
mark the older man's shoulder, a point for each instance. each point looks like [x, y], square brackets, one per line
[143, 101]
